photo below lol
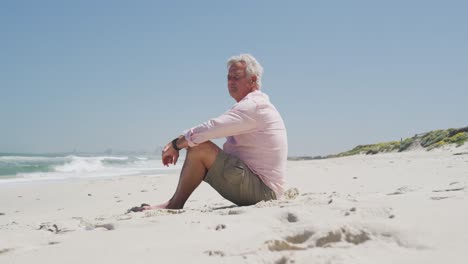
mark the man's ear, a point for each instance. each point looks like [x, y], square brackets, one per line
[253, 80]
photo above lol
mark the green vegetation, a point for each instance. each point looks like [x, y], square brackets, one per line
[372, 149]
[429, 141]
[305, 158]
[405, 144]
[432, 138]
[458, 139]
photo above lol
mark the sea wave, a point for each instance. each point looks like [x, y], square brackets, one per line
[33, 168]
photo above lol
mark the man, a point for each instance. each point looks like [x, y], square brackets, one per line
[252, 164]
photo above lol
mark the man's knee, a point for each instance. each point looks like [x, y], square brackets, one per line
[205, 148]
[206, 151]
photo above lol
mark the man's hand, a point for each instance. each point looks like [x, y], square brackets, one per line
[169, 155]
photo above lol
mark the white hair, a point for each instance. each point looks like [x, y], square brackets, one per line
[253, 67]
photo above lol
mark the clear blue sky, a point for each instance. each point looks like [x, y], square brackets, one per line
[91, 75]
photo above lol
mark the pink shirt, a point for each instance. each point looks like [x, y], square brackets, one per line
[255, 133]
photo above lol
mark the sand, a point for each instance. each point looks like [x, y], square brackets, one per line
[407, 207]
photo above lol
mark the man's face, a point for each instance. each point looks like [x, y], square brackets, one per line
[238, 83]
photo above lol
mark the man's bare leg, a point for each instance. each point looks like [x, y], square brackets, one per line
[198, 161]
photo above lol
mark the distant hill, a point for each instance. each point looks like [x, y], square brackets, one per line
[429, 140]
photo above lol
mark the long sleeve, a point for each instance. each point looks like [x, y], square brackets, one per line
[238, 120]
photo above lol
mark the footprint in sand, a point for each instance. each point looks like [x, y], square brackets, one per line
[5, 250]
[292, 218]
[214, 253]
[53, 228]
[293, 242]
[105, 226]
[352, 210]
[342, 235]
[437, 198]
[281, 245]
[300, 238]
[220, 227]
[284, 260]
[309, 239]
[452, 187]
[235, 212]
[403, 190]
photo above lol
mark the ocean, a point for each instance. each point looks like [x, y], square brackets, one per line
[32, 168]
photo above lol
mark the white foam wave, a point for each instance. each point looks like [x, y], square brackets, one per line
[76, 167]
[81, 165]
[98, 157]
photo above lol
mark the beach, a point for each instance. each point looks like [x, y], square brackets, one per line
[408, 207]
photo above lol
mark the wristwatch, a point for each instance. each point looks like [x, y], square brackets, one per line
[174, 144]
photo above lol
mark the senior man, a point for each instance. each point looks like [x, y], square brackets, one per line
[251, 166]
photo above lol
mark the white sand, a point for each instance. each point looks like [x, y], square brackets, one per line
[389, 208]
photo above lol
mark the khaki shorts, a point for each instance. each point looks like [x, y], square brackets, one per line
[231, 178]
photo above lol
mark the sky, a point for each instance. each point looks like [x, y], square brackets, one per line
[132, 75]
